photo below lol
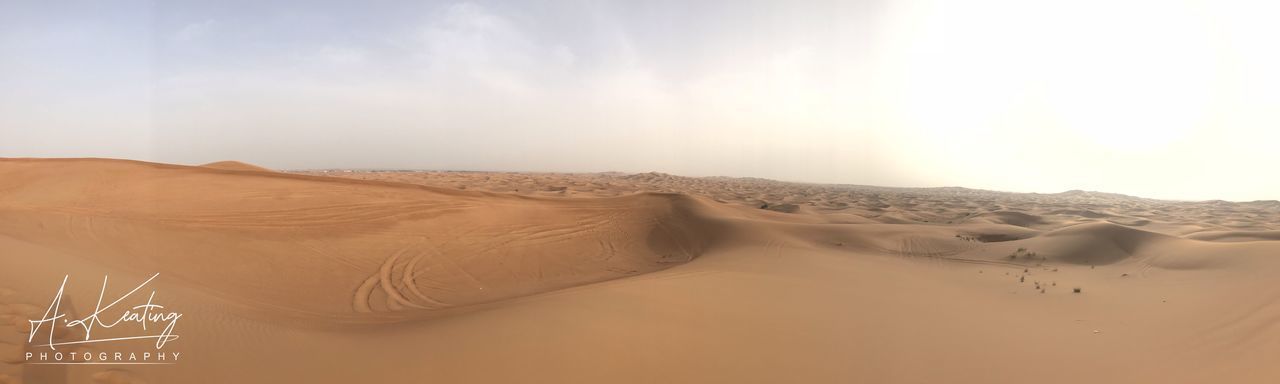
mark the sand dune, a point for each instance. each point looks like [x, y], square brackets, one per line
[510, 277]
[1236, 236]
[353, 245]
[1018, 219]
[1096, 243]
[233, 165]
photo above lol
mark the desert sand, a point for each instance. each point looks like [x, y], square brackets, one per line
[469, 277]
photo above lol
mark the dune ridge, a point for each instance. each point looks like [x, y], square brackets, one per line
[381, 247]
[233, 165]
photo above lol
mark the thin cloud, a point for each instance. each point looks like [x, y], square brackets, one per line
[195, 31]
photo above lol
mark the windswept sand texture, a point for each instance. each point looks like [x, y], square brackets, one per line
[452, 277]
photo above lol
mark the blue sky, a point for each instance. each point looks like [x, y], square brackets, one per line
[1163, 99]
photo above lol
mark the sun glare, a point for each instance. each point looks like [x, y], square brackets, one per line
[1098, 76]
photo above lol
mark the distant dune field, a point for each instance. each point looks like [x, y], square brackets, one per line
[469, 277]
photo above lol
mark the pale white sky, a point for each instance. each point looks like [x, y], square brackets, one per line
[1167, 99]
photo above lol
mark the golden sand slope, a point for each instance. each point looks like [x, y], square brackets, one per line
[588, 278]
[346, 246]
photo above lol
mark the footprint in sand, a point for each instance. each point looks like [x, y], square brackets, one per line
[116, 376]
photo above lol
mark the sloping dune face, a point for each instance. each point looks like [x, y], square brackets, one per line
[333, 249]
[1097, 243]
[232, 165]
[1236, 236]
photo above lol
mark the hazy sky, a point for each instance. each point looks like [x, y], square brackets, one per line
[1168, 99]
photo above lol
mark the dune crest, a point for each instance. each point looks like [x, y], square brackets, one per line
[353, 247]
[1097, 243]
[1236, 236]
[232, 165]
